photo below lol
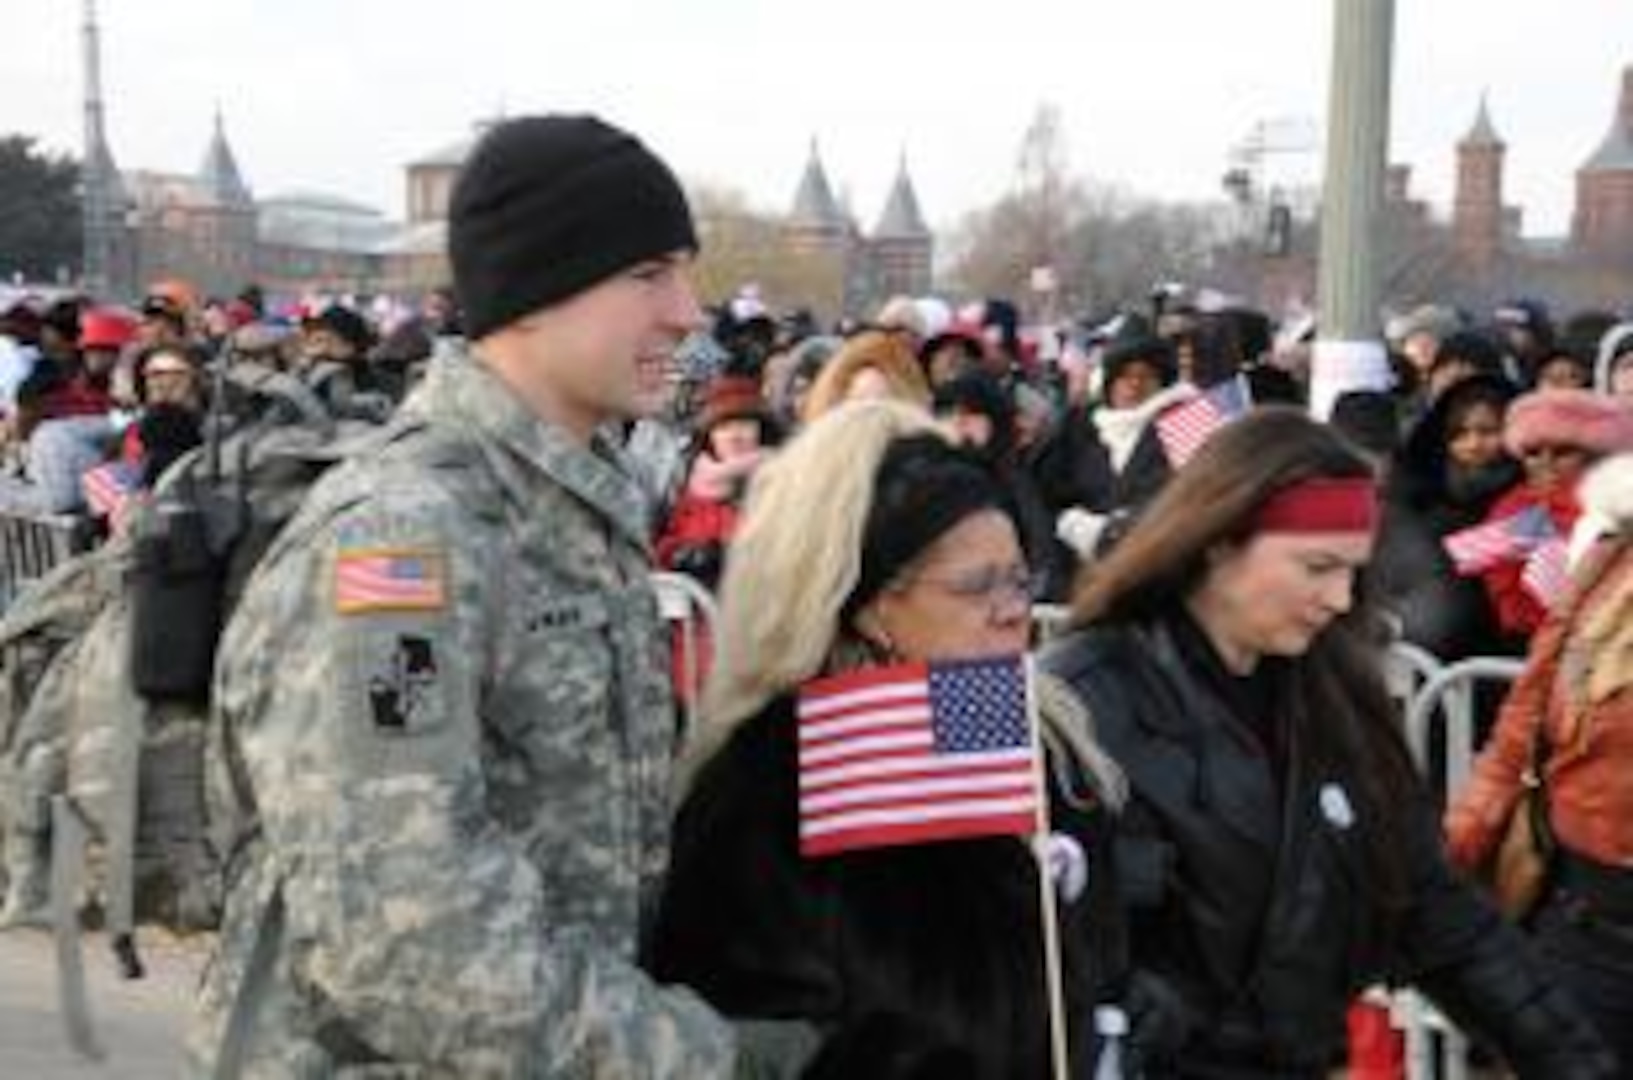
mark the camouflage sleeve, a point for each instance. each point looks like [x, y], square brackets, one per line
[414, 916]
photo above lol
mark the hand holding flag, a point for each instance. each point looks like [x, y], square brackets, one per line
[1477, 549]
[1547, 573]
[1185, 427]
[108, 487]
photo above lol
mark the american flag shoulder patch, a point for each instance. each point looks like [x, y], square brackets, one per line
[370, 579]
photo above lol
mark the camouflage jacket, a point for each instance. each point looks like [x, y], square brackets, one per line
[443, 702]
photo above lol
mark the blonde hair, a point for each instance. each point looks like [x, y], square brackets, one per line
[885, 352]
[795, 559]
[794, 562]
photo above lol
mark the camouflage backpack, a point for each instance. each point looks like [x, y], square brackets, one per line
[102, 769]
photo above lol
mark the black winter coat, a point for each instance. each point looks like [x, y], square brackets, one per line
[1451, 616]
[919, 961]
[1073, 468]
[1252, 920]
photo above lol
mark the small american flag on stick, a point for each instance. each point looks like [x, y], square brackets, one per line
[108, 487]
[1508, 539]
[1547, 573]
[1185, 427]
[914, 753]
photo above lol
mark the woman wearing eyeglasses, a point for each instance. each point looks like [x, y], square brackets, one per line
[872, 540]
[1278, 852]
[1556, 435]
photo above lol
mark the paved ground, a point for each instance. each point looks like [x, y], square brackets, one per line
[140, 1023]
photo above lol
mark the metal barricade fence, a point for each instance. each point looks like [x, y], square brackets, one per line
[32, 545]
[1450, 690]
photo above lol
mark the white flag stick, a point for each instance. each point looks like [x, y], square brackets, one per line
[1046, 887]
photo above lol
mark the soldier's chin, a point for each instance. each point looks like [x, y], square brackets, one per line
[644, 402]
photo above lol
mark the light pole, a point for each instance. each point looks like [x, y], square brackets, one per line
[1349, 353]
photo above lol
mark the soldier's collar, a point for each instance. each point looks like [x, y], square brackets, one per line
[595, 474]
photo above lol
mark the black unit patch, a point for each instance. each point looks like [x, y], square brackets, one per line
[402, 690]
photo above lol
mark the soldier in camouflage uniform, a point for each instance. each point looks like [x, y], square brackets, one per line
[443, 724]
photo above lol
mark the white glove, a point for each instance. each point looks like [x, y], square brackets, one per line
[1080, 530]
[1068, 865]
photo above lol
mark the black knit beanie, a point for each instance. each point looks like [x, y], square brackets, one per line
[547, 206]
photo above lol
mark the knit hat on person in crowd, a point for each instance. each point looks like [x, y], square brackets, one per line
[1576, 418]
[548, 206]
[1473, 349]
[735, 397]
[345, 324]
[1368, 419]
[923, 488]
[1615, 349]
[164, 309]
[102, 328]
[1525, 314]
[979, 393]
[1138, 349]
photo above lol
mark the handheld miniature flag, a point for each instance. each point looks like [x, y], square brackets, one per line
[915, 753]
[108, 487]
[1477, 549]
[1547, 573]
[1184, 428]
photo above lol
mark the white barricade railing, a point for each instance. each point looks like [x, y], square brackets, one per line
[1407, 668]
[691, 609]
[1450, 690]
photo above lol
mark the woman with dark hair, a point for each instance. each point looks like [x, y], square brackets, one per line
[1445, 479]
[1278, 852]
[871, 539]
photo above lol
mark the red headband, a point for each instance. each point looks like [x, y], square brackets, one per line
[1321, 505]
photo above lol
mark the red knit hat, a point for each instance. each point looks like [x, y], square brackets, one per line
[1582, 419]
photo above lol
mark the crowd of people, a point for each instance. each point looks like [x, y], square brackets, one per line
[445, 699]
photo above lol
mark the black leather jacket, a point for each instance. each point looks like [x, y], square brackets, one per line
[1253, 923]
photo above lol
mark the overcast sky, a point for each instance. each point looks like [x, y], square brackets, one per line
[336, 95]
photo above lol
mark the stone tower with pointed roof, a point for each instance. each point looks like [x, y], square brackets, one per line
[895, 259]
[1477, 206]
[108, 267]
[816, 223]
[218, 177]
[901, 243]
[1602, 226]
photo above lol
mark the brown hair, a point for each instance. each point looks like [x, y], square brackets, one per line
[1346, 723]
